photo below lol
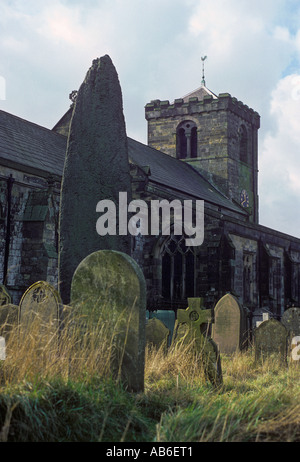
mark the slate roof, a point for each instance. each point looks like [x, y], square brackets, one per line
[31, 145]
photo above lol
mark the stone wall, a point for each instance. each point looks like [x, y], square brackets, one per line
[29, 245]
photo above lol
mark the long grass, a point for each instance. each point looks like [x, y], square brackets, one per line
[57, 384]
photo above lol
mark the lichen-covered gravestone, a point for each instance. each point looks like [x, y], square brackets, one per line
[271, 340]
[229, 328]
[109, 286]
[157, 333]
[191, 329]
[41, 304]
[96, 168]
[291, 320]
[167, 317]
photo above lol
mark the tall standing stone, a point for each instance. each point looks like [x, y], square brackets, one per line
[108, 287]
[96, 168]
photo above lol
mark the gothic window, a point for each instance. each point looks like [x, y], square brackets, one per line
[178, 269]
[243, 147]
[186, 140]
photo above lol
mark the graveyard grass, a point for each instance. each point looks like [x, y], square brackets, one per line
[64, 391]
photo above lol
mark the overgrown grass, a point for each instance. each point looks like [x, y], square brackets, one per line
[63, 390]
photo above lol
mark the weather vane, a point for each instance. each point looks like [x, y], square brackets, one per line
[203, 78]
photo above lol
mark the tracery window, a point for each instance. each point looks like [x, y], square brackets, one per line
[178, 269]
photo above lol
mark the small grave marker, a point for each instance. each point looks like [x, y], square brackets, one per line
[271, 339]
[157, 333]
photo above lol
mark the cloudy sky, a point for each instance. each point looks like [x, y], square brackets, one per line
[253, 49]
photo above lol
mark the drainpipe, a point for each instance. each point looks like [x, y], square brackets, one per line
[10, 182]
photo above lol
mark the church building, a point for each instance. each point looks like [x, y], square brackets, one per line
[201, 146]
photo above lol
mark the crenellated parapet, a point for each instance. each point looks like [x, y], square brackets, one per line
[179, 108]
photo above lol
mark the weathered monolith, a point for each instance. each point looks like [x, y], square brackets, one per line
[96, 168]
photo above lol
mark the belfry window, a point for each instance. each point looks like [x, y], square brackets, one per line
[178, 269]
[186, 140]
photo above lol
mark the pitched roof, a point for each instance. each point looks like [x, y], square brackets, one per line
[31, 145]
[177, 175]
[199, 93]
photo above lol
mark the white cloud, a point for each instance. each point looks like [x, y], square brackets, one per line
[279, 159]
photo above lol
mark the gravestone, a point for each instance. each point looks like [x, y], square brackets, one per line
[109, 285]
[291, 320]
[270, 338]
[9, 318]
[157, 333]
[40, 303]
[167, 317]
[191, 327]
[265, 317]
[96, 168]
[229, 328]
[5, 297]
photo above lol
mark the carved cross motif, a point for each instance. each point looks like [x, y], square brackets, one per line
[194, 315]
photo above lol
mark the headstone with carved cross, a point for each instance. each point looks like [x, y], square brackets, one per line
[191, 327]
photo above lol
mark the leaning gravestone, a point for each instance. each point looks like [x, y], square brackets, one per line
[5, 297]
[229, 328]
[157, 334]
[191, 328]
[271, 339]
[42, 304]
[96, 168]
[109, 286]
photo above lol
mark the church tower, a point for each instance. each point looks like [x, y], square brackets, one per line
[217, 135]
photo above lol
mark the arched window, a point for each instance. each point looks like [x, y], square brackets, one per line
[243, 138]
[178, 269]
[186, 140]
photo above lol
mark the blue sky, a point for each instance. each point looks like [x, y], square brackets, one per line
[253, 49]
